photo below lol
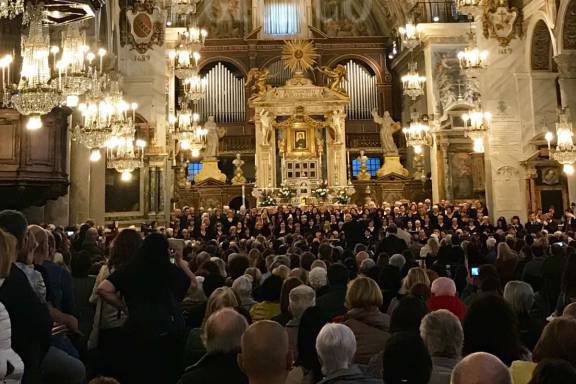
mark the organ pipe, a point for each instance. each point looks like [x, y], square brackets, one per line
[225, 98]
[362, 89]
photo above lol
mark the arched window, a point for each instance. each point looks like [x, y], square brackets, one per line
[361, 87]
[225, 97]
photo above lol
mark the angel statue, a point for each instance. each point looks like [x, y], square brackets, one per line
[266, 120]
[213, 135]
[387, 129]
[258, 78]
[336, 127]
[335, 77]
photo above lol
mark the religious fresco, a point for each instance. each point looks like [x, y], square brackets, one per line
[225, 18]
[346, 18]
[462, 165]
[451, 85]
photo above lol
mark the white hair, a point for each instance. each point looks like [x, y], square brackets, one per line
[318, 277]
[243, 286]
[520, 296]
[442, 333]
[491, 242]
[221, 265]
[397, 260]
[366, 265]
[336, 346]
[301, 298]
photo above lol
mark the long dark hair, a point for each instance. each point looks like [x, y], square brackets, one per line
[124, 248]
[154, 255]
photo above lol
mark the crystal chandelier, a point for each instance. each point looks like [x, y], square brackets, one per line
[9, 9]
[186, 56]
[190, 135]
[418, 133]
[194, 87]
[472, 60]
[410, 35]
[565, 152]
[35, 96]
[412, 82]
[103, 112]
[124, 152]
[476, 124]
[77, 65]
[472, 8]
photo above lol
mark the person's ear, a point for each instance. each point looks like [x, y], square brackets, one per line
[240, 363]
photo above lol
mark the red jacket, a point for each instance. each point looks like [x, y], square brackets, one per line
[450, 303]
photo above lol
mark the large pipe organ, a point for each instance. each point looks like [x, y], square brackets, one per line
[225, 97]
[361, 87]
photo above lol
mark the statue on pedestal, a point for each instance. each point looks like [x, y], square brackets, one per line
[391, 159]
[266, 120]
[238, 173]
[213, 135]
[336, 128]
[210, 168]
[363, 174]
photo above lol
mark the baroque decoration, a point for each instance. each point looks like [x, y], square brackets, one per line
[503, 23]
[143, 26]
[9, 9]
[299, 55]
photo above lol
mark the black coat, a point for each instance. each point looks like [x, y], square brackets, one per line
[332, 302]
[392, 245]
[215, 368]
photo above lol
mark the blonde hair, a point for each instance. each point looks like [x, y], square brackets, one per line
[7, 253]
[281, 271]
[363, 292]
[416, 275]
[222, 297]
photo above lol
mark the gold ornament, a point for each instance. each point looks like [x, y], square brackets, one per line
[299, 55]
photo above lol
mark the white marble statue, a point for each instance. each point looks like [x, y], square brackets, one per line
[266, 120]
[213, 135]
[387, 129]
[336, 128]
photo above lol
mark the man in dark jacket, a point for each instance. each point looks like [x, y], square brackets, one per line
[391, 244]
[332, 302]
[222, 335]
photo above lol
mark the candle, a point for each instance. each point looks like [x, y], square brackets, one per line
[243, 195]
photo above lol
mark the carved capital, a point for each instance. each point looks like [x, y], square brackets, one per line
[566, 65]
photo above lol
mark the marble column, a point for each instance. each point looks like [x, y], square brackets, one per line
[447, 171]
[567, 79]
[79, 183]
[98, 190]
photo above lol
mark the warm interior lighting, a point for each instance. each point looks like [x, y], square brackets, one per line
[34, 123]
[126, 176]
[568, 169]
[95, 155]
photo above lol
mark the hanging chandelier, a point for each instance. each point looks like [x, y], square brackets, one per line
[565, 152]
[103, 112]
[472, 8]
[186, 129]
[476, 124]
[124, 152]
[35, 95]
[472, 60]
[186, 56]
[412, 82]
[194, 87]
[410, 35]
[77, 64]
[418, 133]
[9, 9]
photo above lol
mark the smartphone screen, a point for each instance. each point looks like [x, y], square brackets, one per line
[475, 271]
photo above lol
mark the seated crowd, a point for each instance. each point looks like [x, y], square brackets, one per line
[404, 293]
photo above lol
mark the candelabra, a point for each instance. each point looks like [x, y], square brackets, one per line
[410, 35]
[565, 152]
[472, 8]
[413, 83]
[476, 124]
[187, 130]
[9, 9]
[417, 133]
[124, 152]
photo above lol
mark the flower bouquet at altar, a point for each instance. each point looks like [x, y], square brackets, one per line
[342, 197]
[267, 199]
[321, 192]
[286, 193]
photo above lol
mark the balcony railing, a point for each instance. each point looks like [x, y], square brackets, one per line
[437, 12]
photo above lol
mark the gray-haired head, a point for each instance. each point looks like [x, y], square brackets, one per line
[336, 346]
[366, 265]
[491, 243]
[398, 261]
[318, 277]
[223, 331]
[442, 333]
[301, 298]
[520, 296]
[243, 286]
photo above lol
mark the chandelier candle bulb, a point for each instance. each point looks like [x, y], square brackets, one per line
[34, 123]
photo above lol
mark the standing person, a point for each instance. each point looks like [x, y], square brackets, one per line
[107, 336]
[151, 287]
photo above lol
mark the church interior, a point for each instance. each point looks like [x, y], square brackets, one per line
[120, 111]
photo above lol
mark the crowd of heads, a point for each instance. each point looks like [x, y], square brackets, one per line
[411, 293]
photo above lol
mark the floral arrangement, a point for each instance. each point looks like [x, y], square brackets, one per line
[268, 200]
[342, 197]
[286, 192]
[322, 191]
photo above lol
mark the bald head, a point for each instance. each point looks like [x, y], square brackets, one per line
[360, 257]
[481, 368]
[223, 331]
[265, 356]
[91, 235]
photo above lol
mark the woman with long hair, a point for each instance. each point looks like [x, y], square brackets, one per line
[107, 331]
[149, 289]
[507, 260]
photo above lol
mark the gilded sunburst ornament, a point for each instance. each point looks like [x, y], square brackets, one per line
[299, 55]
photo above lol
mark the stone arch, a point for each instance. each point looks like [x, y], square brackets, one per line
[541, 48]
[366, 61]
[567, 25]
[226, 61]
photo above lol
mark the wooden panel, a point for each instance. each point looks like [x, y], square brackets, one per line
[8, 143]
